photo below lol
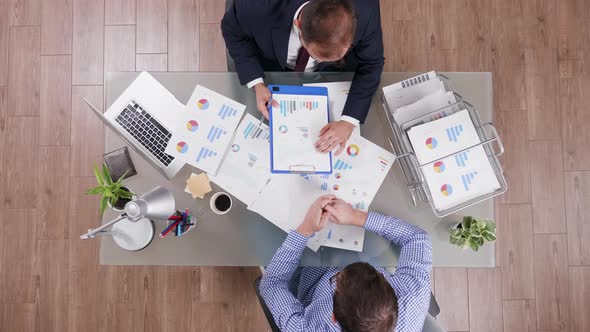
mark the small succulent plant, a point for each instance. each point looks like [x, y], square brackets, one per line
[473, 233]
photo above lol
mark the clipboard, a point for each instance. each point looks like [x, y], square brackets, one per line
[294, 127]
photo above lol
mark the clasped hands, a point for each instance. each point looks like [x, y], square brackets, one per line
[330, 208]
[333, 135]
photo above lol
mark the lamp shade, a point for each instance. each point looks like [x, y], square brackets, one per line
[157, 204]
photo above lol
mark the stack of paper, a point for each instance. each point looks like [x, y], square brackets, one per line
[417, 97]
[454, 172]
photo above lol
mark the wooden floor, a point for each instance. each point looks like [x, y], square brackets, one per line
[53, 52]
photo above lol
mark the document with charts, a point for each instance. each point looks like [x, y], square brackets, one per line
[245, 168]
[295, 126]
[436, 139]
[358, 173]
[460, 177]
[205, 129]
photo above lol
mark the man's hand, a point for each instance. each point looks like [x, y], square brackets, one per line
[333, 134]
[316, 217]
[262, 98]
[343, 213]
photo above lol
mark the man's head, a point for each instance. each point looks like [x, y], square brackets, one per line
[327, 28]
[364, 300]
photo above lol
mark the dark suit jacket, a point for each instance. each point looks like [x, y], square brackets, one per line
[256, 33]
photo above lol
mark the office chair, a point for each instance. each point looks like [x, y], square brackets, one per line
[430, 324]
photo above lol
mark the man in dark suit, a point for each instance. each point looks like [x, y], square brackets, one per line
[316, 35]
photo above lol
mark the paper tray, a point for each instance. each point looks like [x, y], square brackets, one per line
[410, 167]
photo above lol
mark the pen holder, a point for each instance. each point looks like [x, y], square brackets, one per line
[179, 224]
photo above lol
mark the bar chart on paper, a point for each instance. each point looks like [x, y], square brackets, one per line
[288, 106]
[252, 131]
[215, 133]
[227, 111]
[205, 153]
[454, 132]
[461, 158]
[467, 180]
[342, 165]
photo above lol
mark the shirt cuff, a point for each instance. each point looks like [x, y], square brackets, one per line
[375, 222]
[254, 82]
[295, 240]
[350, 120]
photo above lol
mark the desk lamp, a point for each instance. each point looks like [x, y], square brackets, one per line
[134, 229]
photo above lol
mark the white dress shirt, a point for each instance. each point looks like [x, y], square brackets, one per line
[292, 52]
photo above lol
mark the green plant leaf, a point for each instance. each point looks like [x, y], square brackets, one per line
[474, 245]
[490, 226]
[95, 191]
[456, 232]
[453, 240]
[122, 177]
[125, 194]
[467, 221]
[107, 175]
[480, 241]
[98, 176]
[462, 242]
[481, 224]
[103, 204]
[488, 236]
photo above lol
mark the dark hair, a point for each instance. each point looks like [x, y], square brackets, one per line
[328, 23]
[364, 301]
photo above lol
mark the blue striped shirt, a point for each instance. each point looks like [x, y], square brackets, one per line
[311, 309]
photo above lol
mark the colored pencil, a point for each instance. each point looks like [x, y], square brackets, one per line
[168, 229]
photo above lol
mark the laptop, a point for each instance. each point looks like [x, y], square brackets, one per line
[143, 116]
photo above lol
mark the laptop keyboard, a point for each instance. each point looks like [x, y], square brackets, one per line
[146, 130]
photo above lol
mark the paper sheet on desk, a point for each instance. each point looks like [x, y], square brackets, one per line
[458, 178]
[357, 175]
[284, 201]
[245, 168]
[205, 128]
[437, 139]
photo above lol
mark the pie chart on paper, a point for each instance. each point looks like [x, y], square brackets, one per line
[192, 126]
[353, 150]
[439, 167]
[182, 147]
[446, 190]
[431, 143]
[203, 104]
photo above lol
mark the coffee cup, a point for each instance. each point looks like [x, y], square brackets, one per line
[221, 203]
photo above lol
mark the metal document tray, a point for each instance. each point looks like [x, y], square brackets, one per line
[408, 162]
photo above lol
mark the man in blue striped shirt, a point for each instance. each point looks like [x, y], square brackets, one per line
[358, 297]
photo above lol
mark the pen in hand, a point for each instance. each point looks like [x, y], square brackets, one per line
[269, 102]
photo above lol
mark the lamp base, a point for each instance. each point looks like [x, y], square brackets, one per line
[133, 235]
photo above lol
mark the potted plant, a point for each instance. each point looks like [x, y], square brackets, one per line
[112, 193]
[473, 233]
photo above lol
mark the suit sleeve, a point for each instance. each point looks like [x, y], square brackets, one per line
[241, 45]
[369, 51]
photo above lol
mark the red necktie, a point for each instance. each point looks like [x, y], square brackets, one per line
[302, 58]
